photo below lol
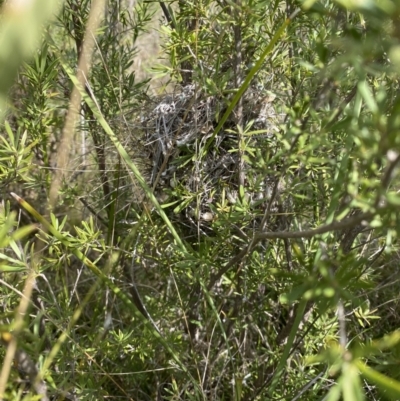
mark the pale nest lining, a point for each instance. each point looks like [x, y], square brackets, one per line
[177, 130]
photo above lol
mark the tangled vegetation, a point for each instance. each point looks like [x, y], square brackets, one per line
[229, 235]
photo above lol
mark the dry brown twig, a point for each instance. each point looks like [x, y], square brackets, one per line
[95, 16]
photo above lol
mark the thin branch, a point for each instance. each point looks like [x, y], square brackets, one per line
[394, 158]
[335, 226]
[167, 15]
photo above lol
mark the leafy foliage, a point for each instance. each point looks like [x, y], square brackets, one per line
[235, 238]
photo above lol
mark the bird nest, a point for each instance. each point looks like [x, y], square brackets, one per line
[192, 178]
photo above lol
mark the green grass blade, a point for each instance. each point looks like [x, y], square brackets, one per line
[389, 387]
[248, 79]
[286, 352]
[124, 155]
[115, 289]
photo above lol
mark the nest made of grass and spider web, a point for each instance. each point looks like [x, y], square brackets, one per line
[166, 140]
[176, 132]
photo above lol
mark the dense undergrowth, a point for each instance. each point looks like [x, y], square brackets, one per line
[233, 237]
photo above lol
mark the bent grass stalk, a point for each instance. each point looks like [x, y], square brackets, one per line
[115, 289]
